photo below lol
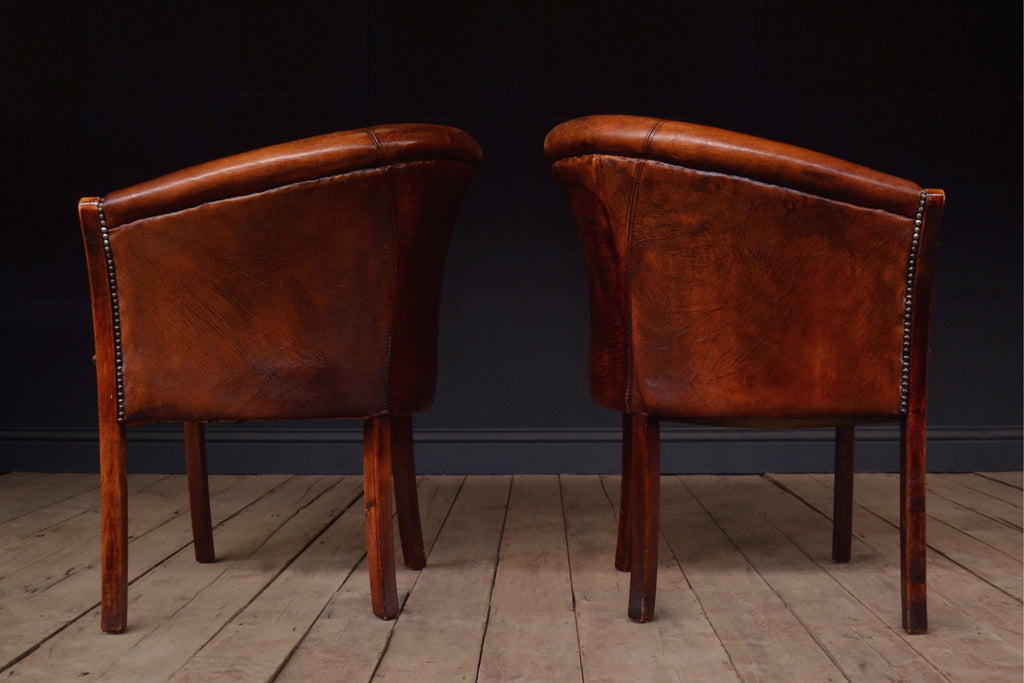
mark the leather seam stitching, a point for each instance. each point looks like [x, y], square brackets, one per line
[737, 177]
[370, 169]
[631, 215]
[393, 263]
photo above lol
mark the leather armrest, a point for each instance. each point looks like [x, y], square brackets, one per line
[288, 163]
[720, 151]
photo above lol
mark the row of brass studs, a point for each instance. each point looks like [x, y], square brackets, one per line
[115, 311]
[908, 303]
[907, 311]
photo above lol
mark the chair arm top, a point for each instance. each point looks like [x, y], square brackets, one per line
[720, 151]
[291, 162]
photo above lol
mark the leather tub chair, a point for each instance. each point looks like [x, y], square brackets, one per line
[742, 282]
[297, 281]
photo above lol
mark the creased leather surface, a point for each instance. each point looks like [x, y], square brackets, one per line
[315, 298]
[287, 163]
[712, 149]
[717, 297]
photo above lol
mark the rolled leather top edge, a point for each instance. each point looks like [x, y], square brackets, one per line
[712, 149]
[290, 162]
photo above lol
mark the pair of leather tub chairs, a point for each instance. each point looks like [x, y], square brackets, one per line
[733, 281]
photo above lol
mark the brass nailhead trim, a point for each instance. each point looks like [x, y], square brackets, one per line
[908, 302]
[115, 312]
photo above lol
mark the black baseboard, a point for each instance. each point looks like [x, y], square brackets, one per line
[268, 448]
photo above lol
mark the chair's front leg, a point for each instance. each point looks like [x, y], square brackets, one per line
[198, 491]
[378, 442]
[645, 449]
[842, 502]
[114, 528]
[403, 469]
[913, 546]
[622, 546]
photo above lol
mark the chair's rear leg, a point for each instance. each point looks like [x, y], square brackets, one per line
[644, 516]
[913, 547]
[378, 442]
[198, 491]
[842, 507]
[622, 550]
[403, 470]
[114, 528]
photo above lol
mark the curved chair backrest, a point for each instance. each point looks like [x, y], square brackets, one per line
[740, 281]
[736, 278]
[296, 281]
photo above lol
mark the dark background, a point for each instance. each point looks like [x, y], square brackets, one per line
[100, 95]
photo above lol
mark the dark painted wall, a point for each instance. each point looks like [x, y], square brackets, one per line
[100, 95]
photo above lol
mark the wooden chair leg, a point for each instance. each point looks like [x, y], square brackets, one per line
[645, 498]
[114, 528]
[378, 443]
[198, 491]
[622, 550]
[403, 471]
[842, 506]
[913, 547]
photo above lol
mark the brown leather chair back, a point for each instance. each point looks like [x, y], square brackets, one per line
[296, 281]
[740, 281]
[737, 278]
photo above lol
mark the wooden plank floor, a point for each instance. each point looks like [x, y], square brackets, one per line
[519, 583]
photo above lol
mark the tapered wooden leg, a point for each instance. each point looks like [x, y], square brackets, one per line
[378, 442]
[198, 491]
[114, 529]
[842, 506]
[622, 551]
[913, 547]
[645, 449]
[403, 470]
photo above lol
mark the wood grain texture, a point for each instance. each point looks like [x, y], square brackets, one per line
[59, 553]
[10, 480]
[346, 642]
[443, 622]
[680, 644]
[113, 526]
[26, 492]
[842, 507]
[976, 632]
[999, 568]
[247, 571]
[378, 440]
[27, 538]
[407, 506]
[860, 643]
[1014, 479]
[531, 626]
[181, 603]
[253, 644]
[747, 586]
[998, 501]
[913, 515]
[764, 639]
[73, 597]
[622, 546]
[974, 522]
[645, 506]
[198, 491]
